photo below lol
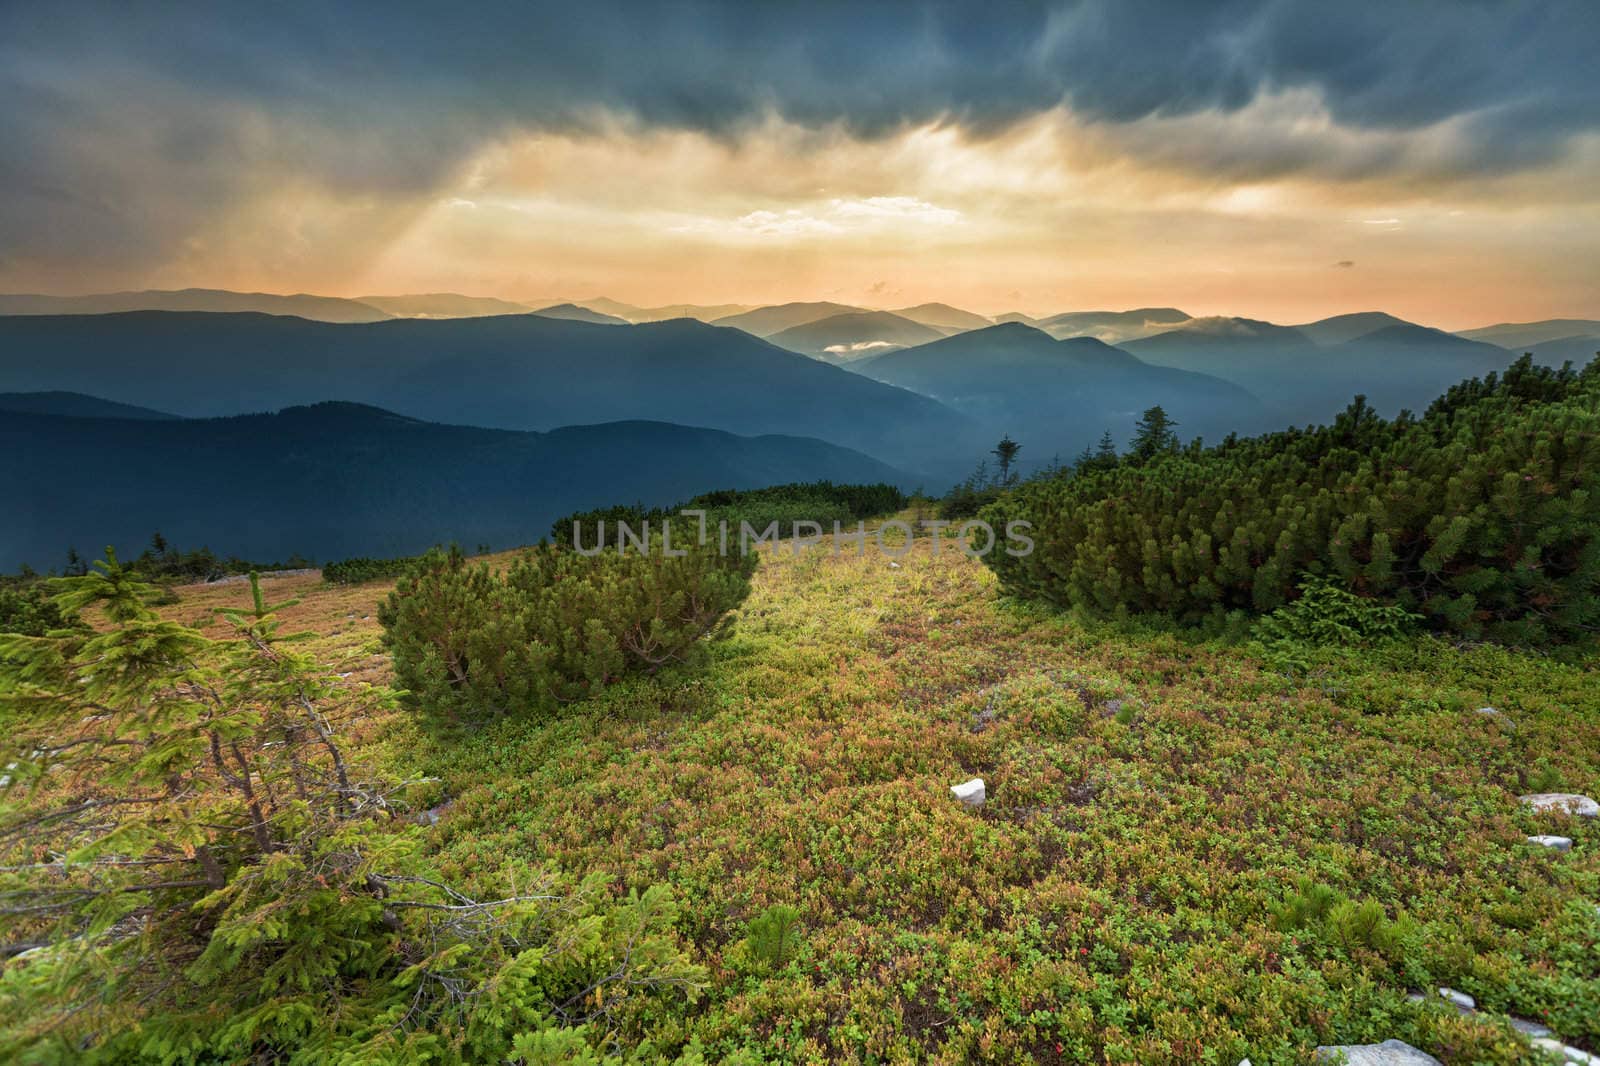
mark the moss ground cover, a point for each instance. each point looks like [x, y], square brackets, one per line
[1128, 894]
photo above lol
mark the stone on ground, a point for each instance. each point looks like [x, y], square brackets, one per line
[1388, 1053]
[1566, 1052]
[1545, 840]
[971, 793]
[1459, 1000]
[1563, 803]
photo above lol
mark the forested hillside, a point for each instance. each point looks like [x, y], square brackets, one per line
[336, 480]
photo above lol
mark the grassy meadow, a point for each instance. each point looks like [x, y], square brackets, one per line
[1142, 884]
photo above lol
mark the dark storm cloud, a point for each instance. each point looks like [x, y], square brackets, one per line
[129, 113]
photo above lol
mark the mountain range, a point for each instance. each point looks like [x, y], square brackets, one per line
[508, 372]
[917, 394]
[333, 480]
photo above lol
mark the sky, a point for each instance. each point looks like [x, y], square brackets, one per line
[1280, 159]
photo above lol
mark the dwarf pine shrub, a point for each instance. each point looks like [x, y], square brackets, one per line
[361, 569]
[556, 626]
[773, 936]
[1328, 613]
[1480, 516]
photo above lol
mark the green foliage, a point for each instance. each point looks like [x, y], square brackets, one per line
[823, 502]
[361, 569]
[1341, 922]
[1327, 613]
[1005, 453]
[557, 626]
[1155, 434]
[1102, 458]
[965, 500]
[197, 874]
[26, 607]
[1481, 516]
[774, 936]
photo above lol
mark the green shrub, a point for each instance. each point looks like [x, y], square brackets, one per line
[556, 626]
[1329, 613]
[971, 496]
[1323, 912]
[27, 608]
[1480, 516]
[362, 569]
[773, 936]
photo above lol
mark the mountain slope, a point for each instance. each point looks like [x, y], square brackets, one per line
[1057, 396]
[336, 479]
[1520, 336]
[841, 338]
[1341, 328]
[443, 305]
[320, 308]
[1579, 351]
[509, 372]
[1113, 327]
[765, 321]
[943, 317]
[75, 405]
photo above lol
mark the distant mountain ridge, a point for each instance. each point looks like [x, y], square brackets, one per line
[765, 321]
[1112, 327]
[1396, 365]
[1341, 328]
[333, 480]
[943, 316]
[574, 313]
[1058, 396]
[300, 305]
[844, 337]
[1523, 335]
[443, 305]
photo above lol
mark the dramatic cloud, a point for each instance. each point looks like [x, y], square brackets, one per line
[296, 144]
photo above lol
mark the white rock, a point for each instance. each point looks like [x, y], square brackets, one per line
[1545, 840]
[972, 793]
[1488, 710]
[894, 566]
[1388, 1053]
[1459, 1000]
[1563, 803]
[1566, 1052]
[1530, 1029]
